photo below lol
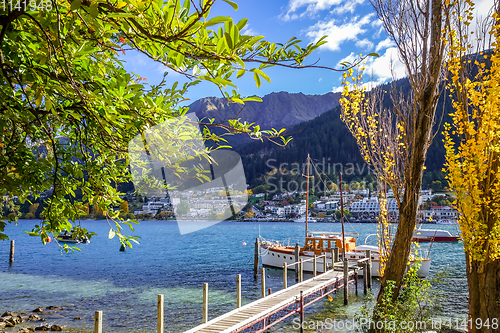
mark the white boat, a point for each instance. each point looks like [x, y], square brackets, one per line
[446, 221]
[431, 235]
[274, 254]
[360, 253]
[302, 219]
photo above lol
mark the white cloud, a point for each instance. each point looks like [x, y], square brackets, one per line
[312, 7]
[378, 70]
[349, 6]
[386, 43]
[350, 59]
[364, 44]
[381, 67]
[338, 34]
[248, 31]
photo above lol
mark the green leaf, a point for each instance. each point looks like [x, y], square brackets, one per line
[373, 55]
[217, 20]
[76, 4]
[240, 73]
[261, 73]
[252, 99]
[220, 46]
[241, 24]
[93, 11]
[111, 234]
[257, 79]
[229, 40]
[233, 4]
[48, 105]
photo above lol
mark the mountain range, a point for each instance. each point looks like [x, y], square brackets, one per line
[277, 110]
[315, 125]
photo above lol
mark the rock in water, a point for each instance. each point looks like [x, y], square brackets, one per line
[56, 328]
[26, 330]
[52, 307]
[38, 309]
[45, 327]
[8, 314]
[33, 317]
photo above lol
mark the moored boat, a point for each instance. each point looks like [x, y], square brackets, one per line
[360, 253]
[431, 235]
[274, 254]
[70, 237]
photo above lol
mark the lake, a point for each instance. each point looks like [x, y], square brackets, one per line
[125, 285]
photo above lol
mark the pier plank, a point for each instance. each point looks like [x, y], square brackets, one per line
[236, 320]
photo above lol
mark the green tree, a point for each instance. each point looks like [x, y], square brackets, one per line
[60, 73]
[183, 208]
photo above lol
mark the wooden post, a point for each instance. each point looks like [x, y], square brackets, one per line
[369, 256]
[337, 256]
[301, 270]
[346, 280]
[365, 277]
[238, 291]
[314, 266]
[301, 312]
[324, 264]
[205, 302]
[269, 291]
[356, 281]
[98, 322]
[285, 275]
[296, 268]
[160, 314]
[11, 257]
[263, 281]
[256, 260]
[333, 258]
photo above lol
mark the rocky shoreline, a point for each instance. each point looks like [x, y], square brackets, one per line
[10, 320]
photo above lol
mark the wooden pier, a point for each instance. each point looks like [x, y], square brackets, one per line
[274, 308]
[269, 310]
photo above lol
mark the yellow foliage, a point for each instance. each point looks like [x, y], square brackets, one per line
[473, 147]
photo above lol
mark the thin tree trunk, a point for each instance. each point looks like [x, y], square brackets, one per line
[398, 258]
[426, 97]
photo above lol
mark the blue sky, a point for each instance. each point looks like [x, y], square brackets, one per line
[351, 26]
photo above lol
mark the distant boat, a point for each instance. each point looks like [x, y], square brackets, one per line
[71, 237]
[302, 219]
[360, 253]
[446, 221]
[431, 235]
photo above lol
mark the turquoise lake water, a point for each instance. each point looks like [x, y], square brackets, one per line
[125, 285]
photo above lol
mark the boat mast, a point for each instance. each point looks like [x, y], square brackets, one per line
[342, 217]
[307, 193]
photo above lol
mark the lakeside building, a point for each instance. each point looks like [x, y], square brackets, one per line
[369, 208]
[324, 205]
[347, 197]
[294, 209]
[437, 213]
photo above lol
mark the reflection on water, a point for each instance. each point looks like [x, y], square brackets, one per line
[125, 285]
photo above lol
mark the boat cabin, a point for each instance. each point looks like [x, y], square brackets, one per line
[320, 243]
